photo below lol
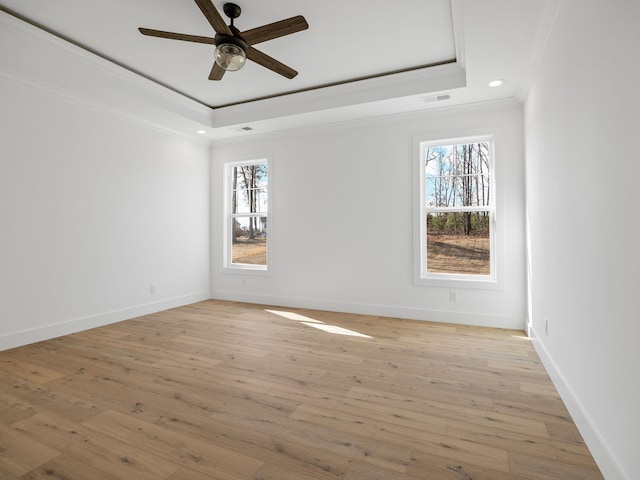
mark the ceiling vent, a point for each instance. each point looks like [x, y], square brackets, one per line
[246, 128]
[436, 98]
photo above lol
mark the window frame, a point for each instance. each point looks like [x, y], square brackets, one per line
[421, 275]
[243, 268]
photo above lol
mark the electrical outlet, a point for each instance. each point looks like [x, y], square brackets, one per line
[453, 296]
[152, 289]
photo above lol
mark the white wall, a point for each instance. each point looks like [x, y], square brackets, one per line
[341, 226]
[582, 167]
[94, 208]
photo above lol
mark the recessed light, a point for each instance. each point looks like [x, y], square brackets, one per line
[201, 132]
[496, 83]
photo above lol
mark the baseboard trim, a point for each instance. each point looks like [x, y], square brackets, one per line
[412, 313]
[602, 454]
[45, 332]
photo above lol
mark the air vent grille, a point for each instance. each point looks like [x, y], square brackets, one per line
[246, 128]
[436, 98]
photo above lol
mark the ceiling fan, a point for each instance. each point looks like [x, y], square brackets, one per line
[234, 47]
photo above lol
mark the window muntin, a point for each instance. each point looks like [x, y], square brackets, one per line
[247, 215]
[457, 213]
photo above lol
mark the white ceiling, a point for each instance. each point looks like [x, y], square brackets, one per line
[346, 59]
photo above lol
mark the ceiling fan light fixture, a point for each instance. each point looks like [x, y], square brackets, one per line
[230, 52]
[230, 57]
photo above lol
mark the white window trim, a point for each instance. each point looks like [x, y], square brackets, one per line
[239, 268]
[421, 276]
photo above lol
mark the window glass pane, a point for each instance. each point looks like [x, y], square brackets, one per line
[249, 240]
[457, 175]
[459, 243]
[249, 188]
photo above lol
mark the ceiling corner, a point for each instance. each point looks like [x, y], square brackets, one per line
[547, 23]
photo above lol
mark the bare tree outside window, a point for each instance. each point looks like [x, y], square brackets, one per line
[458, 208]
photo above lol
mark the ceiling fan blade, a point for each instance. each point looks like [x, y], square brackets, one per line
[275, 30]
[270, 63]
[216, 72]
[176, 36]
[209, 10]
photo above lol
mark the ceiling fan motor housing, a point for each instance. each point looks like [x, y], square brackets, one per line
[221, 39]
[231, 10]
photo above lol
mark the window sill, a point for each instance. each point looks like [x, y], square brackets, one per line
[459, 281]
[246, 270]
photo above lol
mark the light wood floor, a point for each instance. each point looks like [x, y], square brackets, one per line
[220, 390]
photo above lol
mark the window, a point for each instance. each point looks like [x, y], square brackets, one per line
[457, 213]
[246, 220]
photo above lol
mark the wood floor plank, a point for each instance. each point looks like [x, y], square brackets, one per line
[473, 453]
[6, 475]
[531, 405]
[272, 472]
[325, 448]
[389, 399]
[365, 471]
[473, 415]
[68, 468]
[185, 473]
[43, 397]
[534, 467]
[518, 442]
[542, 388]
[230, 391]
[149, 399]
[13, 409]
[267, 445]
[193, 453]
[20, 454]
[354, 428]
[87, 451]
[501, 421]
[381, 416]
[28, 371]
[426, 466]
[564, 431]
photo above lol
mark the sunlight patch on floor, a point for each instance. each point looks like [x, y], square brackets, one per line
[293, 316]
[335, 329]
[310, 322]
